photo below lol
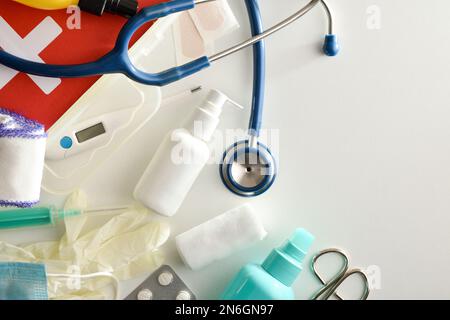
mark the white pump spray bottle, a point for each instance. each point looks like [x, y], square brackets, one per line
[180, 158]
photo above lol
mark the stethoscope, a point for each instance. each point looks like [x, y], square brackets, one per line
[248, 167]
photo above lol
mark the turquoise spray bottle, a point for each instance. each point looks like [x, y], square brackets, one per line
[272, 280]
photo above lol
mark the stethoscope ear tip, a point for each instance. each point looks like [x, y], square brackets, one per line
[331, 45]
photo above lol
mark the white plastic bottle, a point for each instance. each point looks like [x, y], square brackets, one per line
[180, 159]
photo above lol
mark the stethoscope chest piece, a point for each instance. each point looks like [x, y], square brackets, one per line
[247, 169]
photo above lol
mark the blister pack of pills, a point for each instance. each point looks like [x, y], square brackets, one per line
[163, 284]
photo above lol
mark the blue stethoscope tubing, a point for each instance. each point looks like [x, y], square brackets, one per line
[118, 61]
[259, 68]
[240, 152]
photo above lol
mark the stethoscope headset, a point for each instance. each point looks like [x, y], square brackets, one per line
[248, 167]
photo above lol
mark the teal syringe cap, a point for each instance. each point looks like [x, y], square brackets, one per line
[285, 263]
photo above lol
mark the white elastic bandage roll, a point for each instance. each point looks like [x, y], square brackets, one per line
[220, 237]
[22, 152]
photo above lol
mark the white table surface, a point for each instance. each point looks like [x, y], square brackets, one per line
[364, 147]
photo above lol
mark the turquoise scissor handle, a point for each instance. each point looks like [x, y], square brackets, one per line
[117, 61]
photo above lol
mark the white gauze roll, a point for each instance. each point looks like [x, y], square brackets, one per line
[218, 238]
[22, 152]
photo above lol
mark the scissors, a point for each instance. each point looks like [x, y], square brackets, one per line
[329, 288]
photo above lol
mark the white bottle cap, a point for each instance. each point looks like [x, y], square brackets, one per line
[205, 119]
[214, 103]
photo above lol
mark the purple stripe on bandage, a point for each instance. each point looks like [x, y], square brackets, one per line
[18, 204]
[28, 129]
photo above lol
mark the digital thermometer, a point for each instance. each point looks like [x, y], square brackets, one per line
[88, 135]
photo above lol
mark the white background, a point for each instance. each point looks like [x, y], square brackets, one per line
[364, 146]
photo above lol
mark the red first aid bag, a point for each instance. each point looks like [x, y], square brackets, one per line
[56, 37]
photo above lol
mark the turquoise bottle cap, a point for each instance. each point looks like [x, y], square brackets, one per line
[285, 263]
[299, 243]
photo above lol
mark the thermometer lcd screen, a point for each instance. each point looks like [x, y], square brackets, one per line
[90, 133]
